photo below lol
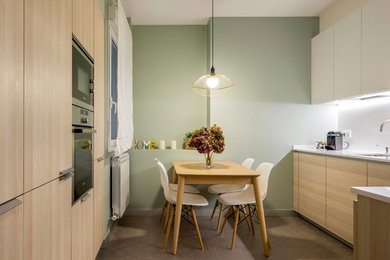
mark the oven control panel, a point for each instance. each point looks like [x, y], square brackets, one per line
[81, 117]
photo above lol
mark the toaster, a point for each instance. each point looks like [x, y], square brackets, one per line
[334, 140]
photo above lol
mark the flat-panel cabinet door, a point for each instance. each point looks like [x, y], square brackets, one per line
[341, 175]
[83, 21]
[322, 67]
[11, 229]
[47, 221]
[98, 204]
[312, 187]
[11, 99]
[82, 228]
[48, 90]
[296, 181]
[378, 174]
[99, 83]
[348, 56]
[376, 46]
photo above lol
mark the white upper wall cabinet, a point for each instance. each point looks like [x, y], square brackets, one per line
[376, 46]
[322, 67]
[347, 56]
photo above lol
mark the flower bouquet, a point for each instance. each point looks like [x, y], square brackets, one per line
[208, 142]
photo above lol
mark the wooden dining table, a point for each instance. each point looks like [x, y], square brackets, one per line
[195, 172]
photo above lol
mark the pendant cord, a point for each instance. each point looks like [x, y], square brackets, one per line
[212, 33]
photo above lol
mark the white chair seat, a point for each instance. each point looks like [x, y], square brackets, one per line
[238, 198]
[226, 188]
[187, 188]
[188, 199]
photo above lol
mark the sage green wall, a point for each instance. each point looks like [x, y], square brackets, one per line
[166, 61]
[262, 117]
[269, 110]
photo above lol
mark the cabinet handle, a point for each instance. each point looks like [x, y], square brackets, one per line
[67, 176]
[85, 197]
[9, 205]
[67, 171]
[100, 159]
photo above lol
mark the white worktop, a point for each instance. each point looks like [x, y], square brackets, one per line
[346, 153]
[377, 193]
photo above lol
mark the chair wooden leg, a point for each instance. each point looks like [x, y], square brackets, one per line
[246, 217]
[226, 217]
[215, 207]
[163, 209]
[220, 215]
[251, 218]
[171, 213]
[237, 213]
[167, 217]
[197, 228]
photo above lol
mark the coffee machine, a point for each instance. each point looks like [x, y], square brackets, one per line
[334, 140]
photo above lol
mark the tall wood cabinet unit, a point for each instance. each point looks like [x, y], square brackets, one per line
[82, 228]
[47, 221]
[312, 179]
[98, 200]
[48, 91]
[11, 99]
[376, 46]
[322, 66]
[11, 229]
[341, 175]
[83, 22]
[347, 56]
[296, 181]
[378, 174]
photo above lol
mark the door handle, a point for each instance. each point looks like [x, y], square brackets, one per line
[66, 171]
[9, 205]
[85, 197]
[100, 159]
[84, 131]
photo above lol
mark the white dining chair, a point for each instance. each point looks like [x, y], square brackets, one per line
[190, 200]
[228, 188]
[238, 200]
[173, 186]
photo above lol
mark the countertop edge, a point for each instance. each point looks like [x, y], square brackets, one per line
[371, 192]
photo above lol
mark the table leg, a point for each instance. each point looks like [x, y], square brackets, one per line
[174, 176]
[260, 214]
[179, 200]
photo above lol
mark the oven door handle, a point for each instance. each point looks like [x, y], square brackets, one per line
[84, 131]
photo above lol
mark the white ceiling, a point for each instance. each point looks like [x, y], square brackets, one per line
[167, 12]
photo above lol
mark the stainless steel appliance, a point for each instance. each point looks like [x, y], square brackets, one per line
[82, 122]
[82, 77]
[334, 140]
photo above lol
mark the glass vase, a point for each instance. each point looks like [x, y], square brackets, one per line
[209, 161]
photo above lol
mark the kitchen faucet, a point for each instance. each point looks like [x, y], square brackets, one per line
[381, 130]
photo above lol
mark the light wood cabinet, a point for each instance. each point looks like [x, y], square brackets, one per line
[48, 90]
[376, 46]
[347, 56]
[312, 187]
[83, 22]
[11, 99]
[11, 230]
[378, 174]
[295, 181]
[98, 206]
[341, 175]
[322, 66]
[82, 228]
[47, 221]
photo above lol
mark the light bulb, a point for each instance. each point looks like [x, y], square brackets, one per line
[212, 82]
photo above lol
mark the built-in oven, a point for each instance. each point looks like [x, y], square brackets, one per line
[82, 77]
[82, 151]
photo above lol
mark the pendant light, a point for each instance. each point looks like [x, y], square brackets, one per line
[213, 83]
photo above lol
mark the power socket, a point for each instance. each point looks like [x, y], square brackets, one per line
[347, 134]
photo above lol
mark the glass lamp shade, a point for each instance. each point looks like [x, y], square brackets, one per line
[212, 84]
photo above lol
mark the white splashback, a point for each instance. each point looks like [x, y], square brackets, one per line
[364, 119]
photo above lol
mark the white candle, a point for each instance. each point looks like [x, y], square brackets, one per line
[162, 144]
[173, 144]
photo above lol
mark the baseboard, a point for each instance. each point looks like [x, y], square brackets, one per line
[208, 212]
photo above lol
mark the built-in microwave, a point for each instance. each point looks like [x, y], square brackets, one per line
[82, 77]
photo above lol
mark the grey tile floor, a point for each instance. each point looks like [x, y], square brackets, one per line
[140, 237]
